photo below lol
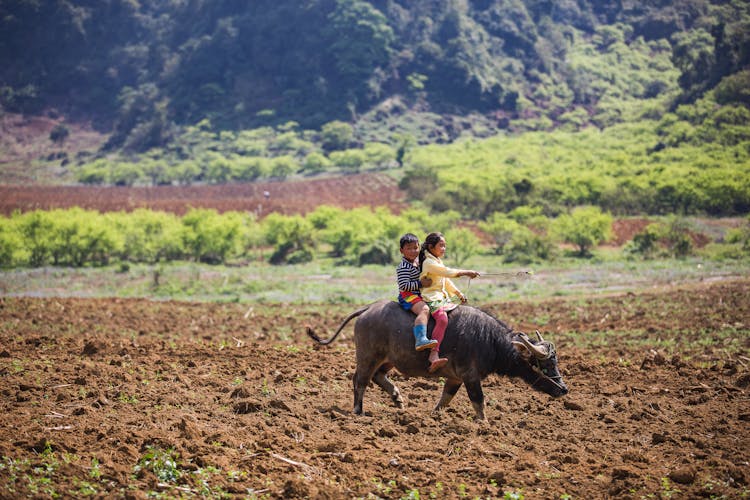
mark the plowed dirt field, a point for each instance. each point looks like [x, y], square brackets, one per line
[261, 198]
[129, 397]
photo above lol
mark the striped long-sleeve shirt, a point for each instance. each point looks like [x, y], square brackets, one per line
[407, 276]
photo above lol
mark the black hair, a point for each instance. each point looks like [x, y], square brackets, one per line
[408, 238]
[431, 240]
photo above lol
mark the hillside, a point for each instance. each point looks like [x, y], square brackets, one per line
[141, 71]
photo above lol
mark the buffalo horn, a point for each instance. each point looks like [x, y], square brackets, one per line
[539, 351]
[539, 336]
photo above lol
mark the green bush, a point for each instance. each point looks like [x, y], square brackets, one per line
[462, 244]
[584, 227]
[350, 160]
[79, 237]
[150, 236]
[336, 135]
[210, 237]
[526, 247]
[501, 229]
[10, 242]
[283, 166]
[740, 236]
[291, 236]
[315, 163]
[36, 230]
[644, 243]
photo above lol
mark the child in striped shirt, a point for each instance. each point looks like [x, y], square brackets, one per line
[409, 285]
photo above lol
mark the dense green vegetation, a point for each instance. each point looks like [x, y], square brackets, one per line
[77, 237]
[538, 121]
[144, 70]
[694, 160]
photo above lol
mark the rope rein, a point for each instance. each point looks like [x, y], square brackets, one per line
[514, 274]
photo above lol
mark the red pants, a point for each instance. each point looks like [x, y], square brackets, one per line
[441, 323]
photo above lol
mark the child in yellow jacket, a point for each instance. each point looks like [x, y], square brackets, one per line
[439, 295]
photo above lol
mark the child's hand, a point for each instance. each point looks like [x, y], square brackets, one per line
[462, 297]
[471, 274]
[425, 282]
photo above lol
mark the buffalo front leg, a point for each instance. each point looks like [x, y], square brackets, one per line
[450, 389]
[381, 378]
[476, 396]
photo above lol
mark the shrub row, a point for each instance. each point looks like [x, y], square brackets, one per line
[77, 237]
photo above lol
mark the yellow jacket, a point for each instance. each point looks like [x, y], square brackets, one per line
[442, 287]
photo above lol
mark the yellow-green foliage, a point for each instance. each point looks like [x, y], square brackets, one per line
[628, 168]
[584, 227]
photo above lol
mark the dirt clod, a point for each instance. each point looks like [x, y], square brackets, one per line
[683, 475]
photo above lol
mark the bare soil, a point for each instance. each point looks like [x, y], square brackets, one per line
[29, 156]
[261, 198]
[93, 389]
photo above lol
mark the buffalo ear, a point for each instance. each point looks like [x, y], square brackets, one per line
[522, 349]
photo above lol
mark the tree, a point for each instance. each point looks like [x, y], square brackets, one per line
[501, 229]
[220, 170]
[379, 155]
[251, 168]
[10, 242]
[80, 237]
[693, 55]
[150, 236]
[187, 171]
[526, 246]
[462, 244]
[315, 163]
[291, 236]
[59, 133]
[96, 172]
[210, 237]
[644, 243]
[125, 174]
[350, 160]
[360, 43]
[336, 135]
[584, 228]
[36, 229]
[283, 166]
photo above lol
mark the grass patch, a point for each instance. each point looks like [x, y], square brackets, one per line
[325, 282]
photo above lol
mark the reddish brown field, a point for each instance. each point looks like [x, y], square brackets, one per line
[293, 197]
[93, 389]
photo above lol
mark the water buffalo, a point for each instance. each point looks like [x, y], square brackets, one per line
[475, 343]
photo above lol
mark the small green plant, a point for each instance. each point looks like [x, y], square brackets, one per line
[438, 491]
[162, 463]
[512, 495]
[666, 488]
[84, 488]
[125, 398]
[462, 490]
[265, 389]
[95, 471]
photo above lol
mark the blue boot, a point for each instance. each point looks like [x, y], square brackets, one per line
[420, 335]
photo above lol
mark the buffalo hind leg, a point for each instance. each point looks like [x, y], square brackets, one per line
[450, 389]
[362, 376]
[476, 396]
[381, 378]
